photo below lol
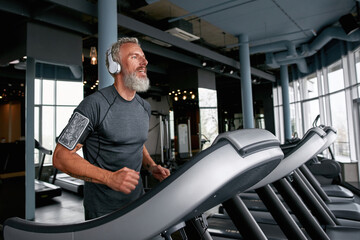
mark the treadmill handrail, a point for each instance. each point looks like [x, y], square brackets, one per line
[233, 165]
[313, 139]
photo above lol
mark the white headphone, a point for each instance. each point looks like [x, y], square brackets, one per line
[114, 67]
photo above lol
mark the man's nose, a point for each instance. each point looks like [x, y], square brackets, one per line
[144, 61]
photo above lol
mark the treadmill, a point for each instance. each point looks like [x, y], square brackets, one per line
[44, 190]
[334, 191]
[301, 227]
[68, 182]
[343, 208]
[235, 162]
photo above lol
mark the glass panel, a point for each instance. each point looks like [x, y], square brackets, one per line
[207, 97]
[69, 93]
[36, 122]
[280, 131]
[277, 122]
[311, 110]
[63, 115]
[339, 122]
[298, 120]
[48, 92]
[48, 138]
[357, 65]
[291, 92]
[336, 77]
[280, 100]
[293, 118]
[36, 133]
[311, 87]
[37, 91]
[322, 84]
[275, 96]
[297, 90]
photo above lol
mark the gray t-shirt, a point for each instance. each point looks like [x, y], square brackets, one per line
[114, 137]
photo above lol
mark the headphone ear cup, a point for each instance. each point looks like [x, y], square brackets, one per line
[114, 67]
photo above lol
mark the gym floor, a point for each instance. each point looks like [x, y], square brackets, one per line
[64, 209]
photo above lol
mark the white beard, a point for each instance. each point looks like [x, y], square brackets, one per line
[135, 83]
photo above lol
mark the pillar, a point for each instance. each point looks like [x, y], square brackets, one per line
[246, 88]
[284, 78]
[107, 35]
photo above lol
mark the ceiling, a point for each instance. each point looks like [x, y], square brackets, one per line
[271, 26]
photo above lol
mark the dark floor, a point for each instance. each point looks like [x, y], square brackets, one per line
[67, 208]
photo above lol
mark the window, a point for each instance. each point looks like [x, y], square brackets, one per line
[339, 122]
[336, 77]
[55, 100]
[338, 109]
[325, 92]
[291, 92]
[311, 110]
[357, 67]
[310, 87]
[295, 119]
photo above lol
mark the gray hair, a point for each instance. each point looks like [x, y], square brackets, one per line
[115, 49]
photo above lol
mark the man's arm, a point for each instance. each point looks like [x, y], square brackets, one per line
[159, 172]
[123, 180]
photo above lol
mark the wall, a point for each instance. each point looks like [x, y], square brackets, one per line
[10, 122]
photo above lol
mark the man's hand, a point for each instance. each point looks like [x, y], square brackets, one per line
[159, 172]
[124, 180]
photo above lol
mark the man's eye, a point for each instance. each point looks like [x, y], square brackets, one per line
[134, 57]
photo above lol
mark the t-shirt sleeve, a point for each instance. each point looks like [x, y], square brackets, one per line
[81, 124]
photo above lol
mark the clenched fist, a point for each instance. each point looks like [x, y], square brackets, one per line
[124, 180]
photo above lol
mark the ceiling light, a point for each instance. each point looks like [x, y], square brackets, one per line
[93, 56]
[177, 32]
[158, 42]
[14, 61]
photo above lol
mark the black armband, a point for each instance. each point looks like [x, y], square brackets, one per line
[73, 131]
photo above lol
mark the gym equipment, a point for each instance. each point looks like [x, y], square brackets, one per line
[286, 222]
[309, 146]
[67, 182]
[347, 212]
[233, 163]
[44, 190]
[332, 190]
[184, 140]
[164, 136]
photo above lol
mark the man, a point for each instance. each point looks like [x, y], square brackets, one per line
[112, 126]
